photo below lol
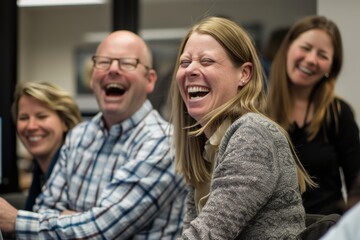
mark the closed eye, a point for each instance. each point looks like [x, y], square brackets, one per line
[42, 116]
[23, 118]
[185, 63]
[305, 48]
[323, 55]
[207, 61]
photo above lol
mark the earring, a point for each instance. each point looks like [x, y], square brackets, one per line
[242, 83]
[327, 75]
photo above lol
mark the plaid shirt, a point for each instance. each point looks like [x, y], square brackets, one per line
[122, 182]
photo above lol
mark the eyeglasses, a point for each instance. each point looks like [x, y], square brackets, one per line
[125, 64]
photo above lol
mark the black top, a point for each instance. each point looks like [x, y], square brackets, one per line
[323, 156]
[39, 179]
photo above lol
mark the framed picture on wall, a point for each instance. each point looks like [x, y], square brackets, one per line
[83, 69]
[84, 65]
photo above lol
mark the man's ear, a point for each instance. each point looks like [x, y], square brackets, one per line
[152, 77]
[245, 74]
[91, 83]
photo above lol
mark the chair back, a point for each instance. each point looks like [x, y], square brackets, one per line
[317, 225]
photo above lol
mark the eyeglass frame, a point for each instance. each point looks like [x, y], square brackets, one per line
[93, 58]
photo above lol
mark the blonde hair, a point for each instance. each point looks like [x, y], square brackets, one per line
[189, 137]
[54, 97]
[280, 100]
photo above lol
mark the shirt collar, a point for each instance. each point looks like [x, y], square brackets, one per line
[215, 139]
[212, 144]
[127, 124]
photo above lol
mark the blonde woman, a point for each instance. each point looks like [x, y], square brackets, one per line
[244, 179]
[43, 114]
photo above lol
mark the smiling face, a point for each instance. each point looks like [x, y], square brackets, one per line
[309, 58]
[40, 129]
[206, 77]
[120, 93]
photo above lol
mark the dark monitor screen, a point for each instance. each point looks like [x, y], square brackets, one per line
[1, 151]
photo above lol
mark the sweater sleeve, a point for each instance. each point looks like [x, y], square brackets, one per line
[242, 184]
[191, 208]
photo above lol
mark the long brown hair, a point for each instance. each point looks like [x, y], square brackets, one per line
[279, 99]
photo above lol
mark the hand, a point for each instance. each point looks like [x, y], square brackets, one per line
[67, 212]
[7, 216]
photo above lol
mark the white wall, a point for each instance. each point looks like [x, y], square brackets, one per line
[270, 13]
[346, 14]
[49, 36]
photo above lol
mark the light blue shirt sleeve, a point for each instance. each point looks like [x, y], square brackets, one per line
[347, 228]
[121, 182]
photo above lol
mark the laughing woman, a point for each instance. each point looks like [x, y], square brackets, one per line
[244, 179]
[321, 125]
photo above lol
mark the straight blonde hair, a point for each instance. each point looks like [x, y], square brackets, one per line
[189, 137]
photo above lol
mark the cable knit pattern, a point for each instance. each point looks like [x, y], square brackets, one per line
[254, 192]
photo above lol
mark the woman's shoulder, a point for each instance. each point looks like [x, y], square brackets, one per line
[255, 120]
[254, 125]
[342, 106]
[340, 112]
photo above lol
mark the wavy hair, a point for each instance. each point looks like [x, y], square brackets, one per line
[54, 97]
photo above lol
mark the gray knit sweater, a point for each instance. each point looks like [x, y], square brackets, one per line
[254, 190]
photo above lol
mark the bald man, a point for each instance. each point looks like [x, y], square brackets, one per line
[115, 178]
